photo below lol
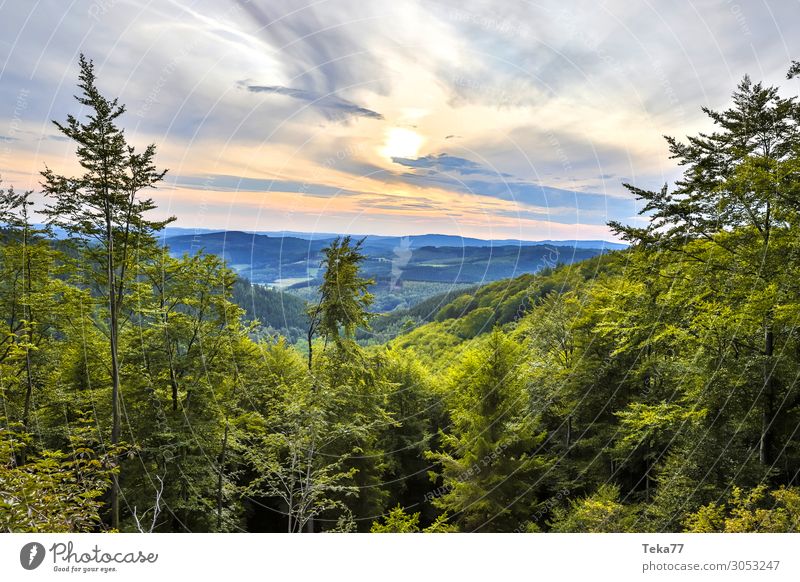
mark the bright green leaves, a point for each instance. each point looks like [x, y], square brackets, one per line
[398, 521]
[759, 510]
[491, 462]
[54, 491]
[344, 294]
[601, 512]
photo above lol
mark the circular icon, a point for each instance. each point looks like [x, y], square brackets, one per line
[31, 555]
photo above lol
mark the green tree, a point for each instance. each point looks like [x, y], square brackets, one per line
[759, 510]
[290, 446]
[491, 465]
[344, 298]
[37, 305]
[185, 360]
[103, 211]
[416, 413]
[740, 191]
[54, 491]
[398, 521]
[601, 512]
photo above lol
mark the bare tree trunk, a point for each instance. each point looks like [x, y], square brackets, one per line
[156, 510]
[113, 331]
[310, 356]
[219, 479]
[765, 443]
[312, 328]
[310, 522]
[569, 432]
[28, 322]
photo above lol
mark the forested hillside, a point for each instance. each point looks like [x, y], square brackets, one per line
[276, 312]
[649, 389]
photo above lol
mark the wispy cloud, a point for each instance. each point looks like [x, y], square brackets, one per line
[328, 102]
[466, 176]
[227, 183]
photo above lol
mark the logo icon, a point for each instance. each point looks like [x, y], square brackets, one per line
[31, 555]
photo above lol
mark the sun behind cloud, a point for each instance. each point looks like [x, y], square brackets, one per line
[401, 143]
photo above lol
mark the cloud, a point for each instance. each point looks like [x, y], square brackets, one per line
[465, 176]
[54, 137]
[227, 183]
[324, 47]
[328, 102]
[447, 163]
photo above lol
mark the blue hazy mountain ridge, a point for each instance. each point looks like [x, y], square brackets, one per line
[436, 240]
[449, 240]
[292, 259]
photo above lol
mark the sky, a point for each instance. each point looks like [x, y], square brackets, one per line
[513, 119]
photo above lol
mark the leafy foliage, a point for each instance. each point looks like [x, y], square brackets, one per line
[55, 491]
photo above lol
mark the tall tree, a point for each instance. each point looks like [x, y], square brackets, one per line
[740, 191]
[102, 210]
[190, 356]
[344, 298]
[491, 463]
[293, 461]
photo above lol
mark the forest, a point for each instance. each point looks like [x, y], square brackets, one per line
[651, 389]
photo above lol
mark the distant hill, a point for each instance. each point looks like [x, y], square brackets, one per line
[259, 258]
[448, 240]
[375, 241]
[290, 261]
[276, 311]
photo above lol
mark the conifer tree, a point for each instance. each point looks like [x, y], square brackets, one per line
[491, 465]
[740, 192]
[343, 296]
[102, 210]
